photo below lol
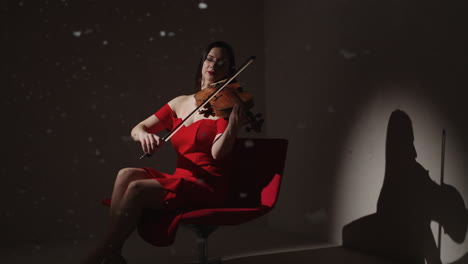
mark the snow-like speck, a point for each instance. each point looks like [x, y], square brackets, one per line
[171, 34]
[162, 33]
[49, 131]
[105, 42]
[316, 217]
[202, 5]
[90, 139]
[77, 33]
[37, 247]
[249, 143]
[21, 3]
[150, 39]
[173, 251]
[331, 109]
[102, 161]
[98, 152]
[347, 54]
[148, 14]
[83, 68]
[93, 107]
[89, 31]
[200, 181]
[242, 195]
[70, 211]
[126, 138]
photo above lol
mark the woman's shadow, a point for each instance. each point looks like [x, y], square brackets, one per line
[408, 202]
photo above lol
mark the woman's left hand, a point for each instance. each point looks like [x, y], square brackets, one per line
[237, 118]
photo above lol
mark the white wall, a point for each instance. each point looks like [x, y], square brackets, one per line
[335, 70]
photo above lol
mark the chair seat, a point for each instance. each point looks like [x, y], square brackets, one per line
[223, 216]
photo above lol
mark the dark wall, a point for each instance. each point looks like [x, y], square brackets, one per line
[77, 76]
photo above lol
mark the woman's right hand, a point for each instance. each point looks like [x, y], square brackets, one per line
[149, 142]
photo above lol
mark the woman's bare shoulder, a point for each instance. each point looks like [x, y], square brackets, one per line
[178, 103]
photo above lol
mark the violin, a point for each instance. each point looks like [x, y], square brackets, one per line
[221, 104]
[208, 98]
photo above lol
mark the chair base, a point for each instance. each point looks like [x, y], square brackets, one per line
[203, 232]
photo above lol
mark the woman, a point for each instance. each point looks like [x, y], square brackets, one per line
[200, 144]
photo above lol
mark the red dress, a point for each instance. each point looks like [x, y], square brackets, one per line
[197, 181]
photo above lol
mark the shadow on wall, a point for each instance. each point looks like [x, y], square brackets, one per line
[408, 202]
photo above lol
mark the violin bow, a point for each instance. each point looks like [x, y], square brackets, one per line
[169, 134]
[439, 238]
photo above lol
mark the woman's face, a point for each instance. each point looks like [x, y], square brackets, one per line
[215, 66]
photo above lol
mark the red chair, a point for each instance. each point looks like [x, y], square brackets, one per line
[254, 188]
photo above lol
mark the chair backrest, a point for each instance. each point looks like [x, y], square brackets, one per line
[258, 167]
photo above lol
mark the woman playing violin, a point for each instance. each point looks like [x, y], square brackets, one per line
[201, 144]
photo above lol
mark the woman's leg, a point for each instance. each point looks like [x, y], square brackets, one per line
[126, 210]
[123, 179]
[140, 194]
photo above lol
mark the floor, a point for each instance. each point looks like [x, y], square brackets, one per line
[249, 244]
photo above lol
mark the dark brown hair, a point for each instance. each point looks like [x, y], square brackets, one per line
[218, 44]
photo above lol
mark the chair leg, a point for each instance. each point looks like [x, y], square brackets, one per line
[202, 250]
[203, 231]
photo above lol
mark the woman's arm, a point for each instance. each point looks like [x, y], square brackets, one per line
[149, 142]
[224, 142]
[144, 132]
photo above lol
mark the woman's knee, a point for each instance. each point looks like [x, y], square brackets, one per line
[127, 175]
[145, 190]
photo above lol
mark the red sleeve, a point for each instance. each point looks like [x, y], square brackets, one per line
[165, 117]
[221, 125]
